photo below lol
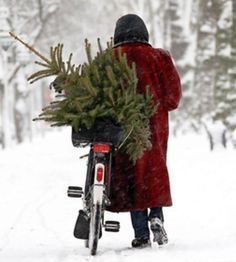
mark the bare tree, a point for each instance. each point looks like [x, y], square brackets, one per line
[27, 18]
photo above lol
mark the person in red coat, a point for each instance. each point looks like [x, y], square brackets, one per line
[145, 185]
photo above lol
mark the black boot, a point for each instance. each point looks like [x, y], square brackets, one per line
[141, 242]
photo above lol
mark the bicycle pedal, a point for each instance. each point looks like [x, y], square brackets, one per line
[74, 191]
[112, 226]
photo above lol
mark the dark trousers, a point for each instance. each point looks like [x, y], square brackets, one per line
[140, 220]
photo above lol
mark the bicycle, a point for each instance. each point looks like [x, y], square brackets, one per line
[103, 138]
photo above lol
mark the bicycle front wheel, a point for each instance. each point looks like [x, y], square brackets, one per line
[95, 224]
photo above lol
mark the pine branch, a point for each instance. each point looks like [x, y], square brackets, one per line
[104, 87]
[32, 49]
[99, 46]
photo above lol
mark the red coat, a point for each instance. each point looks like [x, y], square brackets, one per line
[146, 184]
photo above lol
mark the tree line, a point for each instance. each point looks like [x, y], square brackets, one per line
[200, 35]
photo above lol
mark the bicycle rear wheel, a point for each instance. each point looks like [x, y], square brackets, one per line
[95, 224]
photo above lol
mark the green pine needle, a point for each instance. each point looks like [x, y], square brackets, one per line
[105, 86]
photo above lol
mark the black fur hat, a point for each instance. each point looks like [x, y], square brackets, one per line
[130, 29]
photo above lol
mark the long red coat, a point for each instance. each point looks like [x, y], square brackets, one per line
[146, 184]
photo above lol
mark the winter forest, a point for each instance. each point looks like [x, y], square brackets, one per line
[38, 162]
[200, 35]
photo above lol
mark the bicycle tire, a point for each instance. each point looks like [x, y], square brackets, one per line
[95, 223]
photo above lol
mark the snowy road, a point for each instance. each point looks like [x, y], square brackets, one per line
[37, 219]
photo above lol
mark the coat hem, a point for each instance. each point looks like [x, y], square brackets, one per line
[119, 210]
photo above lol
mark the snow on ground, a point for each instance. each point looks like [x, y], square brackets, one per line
[37, 218]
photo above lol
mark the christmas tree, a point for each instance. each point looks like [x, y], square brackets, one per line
[103, 87]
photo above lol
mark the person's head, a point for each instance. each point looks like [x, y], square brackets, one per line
[130, 29]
